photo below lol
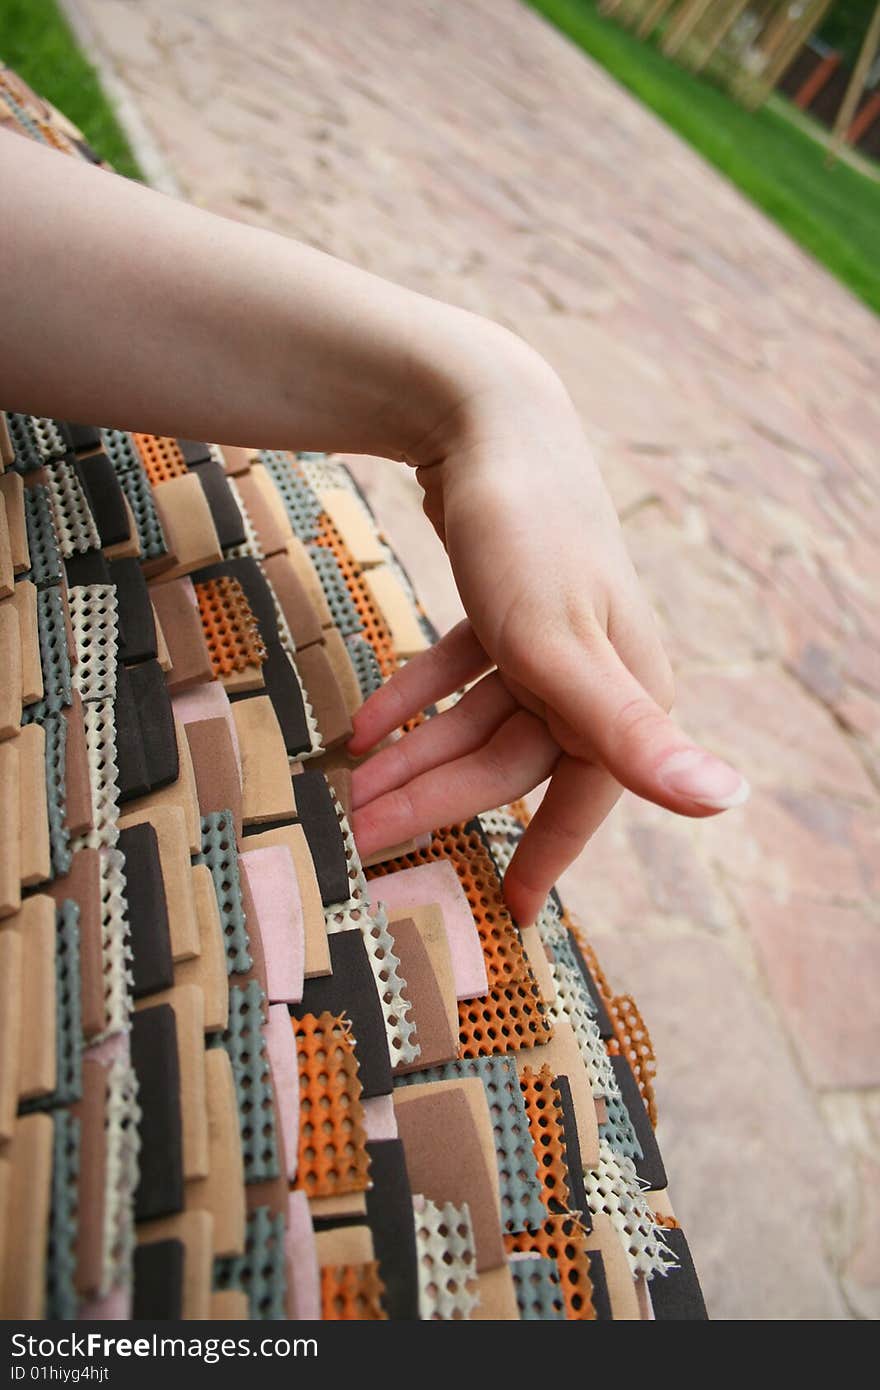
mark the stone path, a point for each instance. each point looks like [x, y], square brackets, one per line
[730, 387]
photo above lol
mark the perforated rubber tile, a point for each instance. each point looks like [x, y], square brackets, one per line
[333, 1154]
[302, 619]
[538, 1289]
[155, 1062]
[261, 1271]
[562, 1240]
[649, 1164]
[351, 989]
[577, 1197]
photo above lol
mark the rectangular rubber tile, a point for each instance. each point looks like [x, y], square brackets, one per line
[437, 1040]
[170, 827]
[87, 567]
[237, 460]
[35, 862]
[650, 1166]
[343, 1209]
[563, 1056]
[26, 1237]
[179, 796]
[394, 604]
[599, 1295]
[194, 1231]
[10, 685]
[178, 611]
[12, 492]
[283, 689]
[390, 1217]
[379, 1121]
[7, 571]
[678, 1297]
[11, 992]
[152, 963]
[281, 1049]
[221, 1190]
[355, 525]
[224, 508]
[91, 1110]
[325, 695]
[438, 883]
[208, 968]
[158, 1281]
[156, 719]
[275, 892]
[189, 528]
[77, 789]
[340, 661]
[344, 1245]
[250, 576]
[10, 862]
[257, 971]
[446, 1159]
[295, 600]
[266, 790]
[340, 780]
[317, 950]
[229, 1305]
[83, 883]
[265, 509]
[618, 1275]
[163, 656]
[537, 958]
[247, 681]
[156, 1064]
[194, 452]
[303, 1274]
[317, 814]
[25, 600]
[135, 612]
[215, 768]
[37, 1053]
[497, 1296]
[351, 989]
[310, 579]
[7, 453]
[79, 438]
[130, 548]
[428, 919]
[131, 759]
[105, 497]
[577, 1196]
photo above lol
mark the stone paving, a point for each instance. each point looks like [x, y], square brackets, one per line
[730, 388]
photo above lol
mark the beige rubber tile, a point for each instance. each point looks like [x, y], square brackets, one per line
[340, 661]
[177, 609]
[497, 1293]
[25, 600]
[267, 790]
[189, 528]
[194, 1229]
[11, 1001]
[25, 1221]
[537, 958]
[308, 575]
[10, 656]
[179, 795]
[208, 968]
[12, 492]
[344, 1245]
[221, 1190]
[325, 695]
[35, 863]
[393, 602]
[7, 572]
[37, 1054]
[618, 1275]
[215, 767]
[10, 861]
[355, 526]
[265, 509]
[295, 598]
[171, 834]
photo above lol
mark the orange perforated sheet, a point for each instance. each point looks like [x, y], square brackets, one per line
[375, 627]
[511, 1015]
[352, 1292]
[161, 457]
[333, 1155]
[231, 630]
[562, 1238]
[633, 1041]
[546, 1127]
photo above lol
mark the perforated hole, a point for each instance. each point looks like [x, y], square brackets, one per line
[352, 1293]
[94, 618]
[246, 1045]
[74, 522]
[332, 1140]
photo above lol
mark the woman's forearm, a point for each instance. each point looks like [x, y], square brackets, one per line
[121, 306]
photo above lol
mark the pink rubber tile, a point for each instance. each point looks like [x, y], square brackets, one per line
[275, 890]
[114, 1306]
[379, 1119]
[438, 883]
[116, 1048]
[281, 1046]
[207, 700]
[303, 1275]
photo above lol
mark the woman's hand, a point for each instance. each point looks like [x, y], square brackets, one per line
[569, 678]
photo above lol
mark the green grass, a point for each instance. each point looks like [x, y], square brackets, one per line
[833, 213]
[36, 41]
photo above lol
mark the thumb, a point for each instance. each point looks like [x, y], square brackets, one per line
[632, 736]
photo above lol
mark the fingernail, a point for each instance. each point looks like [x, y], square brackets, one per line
[704, 779]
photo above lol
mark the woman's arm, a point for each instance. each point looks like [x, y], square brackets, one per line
[121, 306]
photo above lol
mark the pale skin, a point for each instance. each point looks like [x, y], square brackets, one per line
[124, 307]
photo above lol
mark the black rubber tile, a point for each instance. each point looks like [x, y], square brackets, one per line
[677, 1296]
[650, 1166]
[575, 1180]
[352, 989]
[390, 1217]
[136, 620]
[601, 1299]
[79, 437]
[131, 760]
[194, 452]
[158, 1281]
[105, 497]
[153, 704]
[225, 511]
[315, 811]
[283, 689]
[90, 568]
[156, 1065]
[152, 964]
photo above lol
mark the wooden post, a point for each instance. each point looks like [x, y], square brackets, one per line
[785, 52]
[685, 21]
[865, 119]
[730, 13]
[851, 97]
[652, 16]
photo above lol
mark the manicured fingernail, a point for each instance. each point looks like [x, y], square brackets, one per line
[703, 778]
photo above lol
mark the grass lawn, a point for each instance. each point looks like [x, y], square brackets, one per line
[36, 41]
[833, 213]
